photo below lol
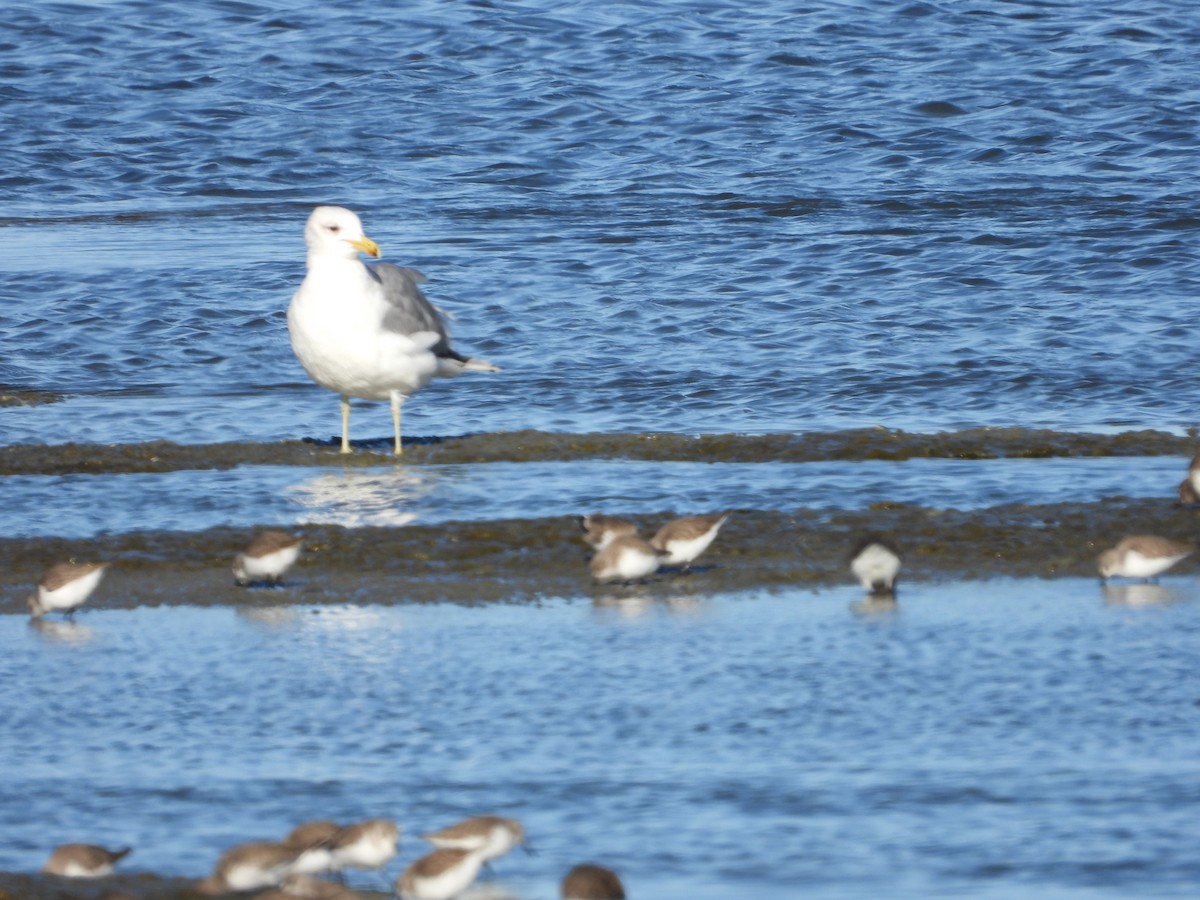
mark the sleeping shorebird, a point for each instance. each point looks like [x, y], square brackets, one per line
[441, 875]
[491, 836]
[262, 864]
[317, 832]
[366, 332]
[1142, 556]
[875, 562]
[83, 861]
[588, 881]
[626, 558]
[686, 538]
[266, 558]
[365, 845]
[65, 587]
[599, 530]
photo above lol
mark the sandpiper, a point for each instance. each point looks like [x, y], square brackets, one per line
[83, 861]
[1193, 475]
[685, 539]
[1189, 488]
[65, 587]
[1142, 556]
[588, 881]
[1187, 493]
[314, 833]
[440, 875]
[266, 558]
[491, 836]
[599, 530]
[365, 845]
[262, 864]
[875, 562]
[626, 558]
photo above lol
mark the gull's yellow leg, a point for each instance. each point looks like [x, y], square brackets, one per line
[397, 399]
[345, 424]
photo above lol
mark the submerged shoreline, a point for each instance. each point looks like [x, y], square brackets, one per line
[524, 560]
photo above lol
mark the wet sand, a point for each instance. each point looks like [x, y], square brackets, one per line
[141, 886]
[535, 446]
[521, 560]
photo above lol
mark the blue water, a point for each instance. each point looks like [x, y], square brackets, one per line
[681, 216]
[83, 506]
[695, 217]
[1011, 738]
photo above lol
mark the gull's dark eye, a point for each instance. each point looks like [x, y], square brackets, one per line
[335, 228]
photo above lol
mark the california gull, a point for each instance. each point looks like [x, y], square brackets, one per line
[366, 331]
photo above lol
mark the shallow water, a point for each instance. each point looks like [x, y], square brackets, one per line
[81, 506]
[979, 739]
[697, 217]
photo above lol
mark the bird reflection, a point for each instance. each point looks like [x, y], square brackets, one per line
[876, 606]
[685, 604]
[269, 616]
[626, 606]
[638, 603]
[364, 497]
[64, 632]
[1143, 593]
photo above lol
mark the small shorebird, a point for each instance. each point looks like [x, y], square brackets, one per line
[1189, 488]
[262, 864]
[317, 832]
[83, 861]
[365, 845]
[599, 530]
[1142, 556]
[1187, 493]
[588, 881]
[490, 836]
[366, 332]
[875, 562]
[266, 558]
[686, 538]
[626, 558]
[65, 587]
[441, 875]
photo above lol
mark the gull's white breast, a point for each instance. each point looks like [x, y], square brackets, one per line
[336, 325]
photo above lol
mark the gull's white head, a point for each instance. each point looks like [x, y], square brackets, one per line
[337, 232]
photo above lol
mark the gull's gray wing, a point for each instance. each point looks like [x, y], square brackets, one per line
[408, 309]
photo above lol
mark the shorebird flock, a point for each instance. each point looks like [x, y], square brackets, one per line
[291, 868]
[623, 556]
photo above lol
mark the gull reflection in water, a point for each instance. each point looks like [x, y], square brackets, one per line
[876, 606]
[1144, 593]
[366, 497]
[62, 632]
